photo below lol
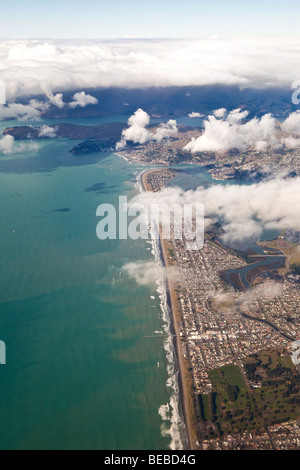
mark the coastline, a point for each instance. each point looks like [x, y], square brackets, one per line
[184, 379]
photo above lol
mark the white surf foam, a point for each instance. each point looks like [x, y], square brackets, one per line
[173, 425]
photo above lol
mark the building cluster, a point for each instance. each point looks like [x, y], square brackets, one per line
[166, 152]
[285, 436]
[156, 179]
[281, 310]
[213, 331]
[235, 164]
[220, 326]
[252, 164]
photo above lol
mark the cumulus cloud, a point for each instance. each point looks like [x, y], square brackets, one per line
[138, 133]
[33, 110]
[219, 113]
[225, 130]
[30, 67]
[237, 115]
[82, 100]
[166, 130]
[244, 211]
[223, 133]
[47, 131]
[291, 142]
[56, 100]
[22, 112]
[8, 146]
[149, 273]
[196, 115]
[292, 123]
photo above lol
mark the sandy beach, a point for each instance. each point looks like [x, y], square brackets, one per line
[185, 380]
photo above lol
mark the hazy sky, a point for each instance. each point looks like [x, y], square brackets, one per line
[154, 18]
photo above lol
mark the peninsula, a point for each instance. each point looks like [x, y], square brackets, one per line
[234, 344]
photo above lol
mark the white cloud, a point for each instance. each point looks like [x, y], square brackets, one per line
[47, 131]
[237, 115]
[291, 142]
[82, 100]
[266, 291]
[56, 100]
[223, 134]
[166, 130]
[30, 67]
[22, 112]
[244, 211]
[149, 273]
[33, 110]
[227, 130]
[196, 115]
[138, 133]
[292, 123]
[219, 113]
[8, 146]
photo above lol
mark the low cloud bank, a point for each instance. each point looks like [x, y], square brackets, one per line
[32, 67]
[244, 211]
[266, 291]
[149, 273]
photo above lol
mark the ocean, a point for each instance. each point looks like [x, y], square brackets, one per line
[80, 373]
[83, 369]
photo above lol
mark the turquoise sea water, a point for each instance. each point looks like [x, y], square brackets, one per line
[79, 373]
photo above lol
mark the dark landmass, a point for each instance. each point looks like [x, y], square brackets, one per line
[104, 132]
[102, 138]
[23, 132]
[174, 101]
[94, 146]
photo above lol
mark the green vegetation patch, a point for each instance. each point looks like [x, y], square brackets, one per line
[234, 408]
[227, 375]
[204, 407]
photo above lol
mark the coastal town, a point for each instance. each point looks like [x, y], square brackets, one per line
[251, 164]
[236, 344]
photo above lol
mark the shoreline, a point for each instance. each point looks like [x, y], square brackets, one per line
[184, 379]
